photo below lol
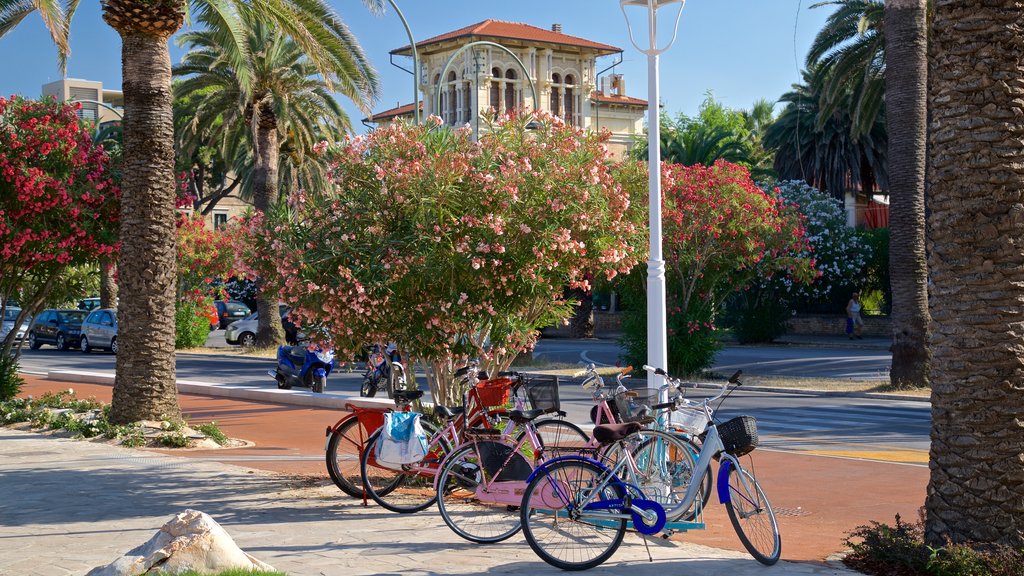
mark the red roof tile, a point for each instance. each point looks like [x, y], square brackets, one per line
[615, 99]
[404, 110]
[513, 30]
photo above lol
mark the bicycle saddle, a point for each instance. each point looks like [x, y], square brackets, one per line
[447, 413]
[608, 433]
[524, 416]
[408, 395]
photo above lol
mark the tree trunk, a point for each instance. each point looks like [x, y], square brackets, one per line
[581, 325]
[976, 258]
[145, 387]
[264, 183]
[906, 93]
[108, 285]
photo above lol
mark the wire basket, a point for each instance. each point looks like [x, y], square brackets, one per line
[542, 392]
[493, 392]
[635, 405]
[739, 435]
[689, 420]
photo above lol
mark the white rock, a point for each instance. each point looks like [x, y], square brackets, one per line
[192, 540]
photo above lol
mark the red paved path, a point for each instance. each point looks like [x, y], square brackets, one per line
[818, 499]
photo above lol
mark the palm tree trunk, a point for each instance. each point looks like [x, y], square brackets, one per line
[270, 331]
[108, 286]
[145, 387]
[906, 93]
[976, 231]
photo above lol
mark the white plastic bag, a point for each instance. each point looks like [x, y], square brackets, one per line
[401, 440]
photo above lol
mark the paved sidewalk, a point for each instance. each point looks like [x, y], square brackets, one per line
[79, 504]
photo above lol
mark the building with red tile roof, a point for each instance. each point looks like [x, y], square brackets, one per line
[463, 85]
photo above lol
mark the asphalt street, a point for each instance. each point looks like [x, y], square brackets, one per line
[885, 429]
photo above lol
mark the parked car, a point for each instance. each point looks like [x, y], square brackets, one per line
[243, 332]
[229, 310]
[10, 317]
[99, 330]
[88, 304]
[62, 328]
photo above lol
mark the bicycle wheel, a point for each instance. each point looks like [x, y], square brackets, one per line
[665, 465]
[752, 517]
[462, 510]
[411, 489]
[554, 433]
[552, 520]
[343, 452]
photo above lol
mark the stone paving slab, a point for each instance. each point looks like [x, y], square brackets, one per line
[67, 506]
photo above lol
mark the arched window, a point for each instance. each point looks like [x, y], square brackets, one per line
[556, 98]
[495, 99]
[467, 102]
[440, 110]
[511, 102]
[453, 103]
[570, 100]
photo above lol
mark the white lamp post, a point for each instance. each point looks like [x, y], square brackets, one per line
[657, 338]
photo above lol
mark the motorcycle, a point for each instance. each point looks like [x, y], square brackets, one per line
[379, 373]
[303, 366]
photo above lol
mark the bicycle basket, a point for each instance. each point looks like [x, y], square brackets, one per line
[635, 405]
[739, 435]
[542, 391]
[493, 392]
[690, 420]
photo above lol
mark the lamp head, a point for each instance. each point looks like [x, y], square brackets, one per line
[656, 4]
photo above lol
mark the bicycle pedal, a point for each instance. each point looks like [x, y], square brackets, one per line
[667, 534]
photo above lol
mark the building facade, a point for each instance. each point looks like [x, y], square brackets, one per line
[98, 104]
[521, 67]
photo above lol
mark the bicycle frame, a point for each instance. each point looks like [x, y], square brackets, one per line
[491, 490]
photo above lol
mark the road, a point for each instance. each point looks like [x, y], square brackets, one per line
[883, 429]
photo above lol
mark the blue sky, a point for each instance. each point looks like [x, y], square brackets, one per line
[740, 50]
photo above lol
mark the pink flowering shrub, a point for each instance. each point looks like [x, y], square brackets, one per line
[204, 255]
[451, 248]
[720, 232]
[58, 205]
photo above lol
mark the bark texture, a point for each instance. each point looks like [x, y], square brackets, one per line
[270, 332]
[906, 96]
[145, 386]
[108, 285]
[976, 258]
[581, 325]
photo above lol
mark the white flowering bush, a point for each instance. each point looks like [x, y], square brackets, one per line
[837, 252]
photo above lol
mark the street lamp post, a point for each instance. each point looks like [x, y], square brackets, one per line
[415, 64]
[657, 337]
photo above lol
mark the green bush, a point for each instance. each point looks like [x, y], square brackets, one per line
[689, 352]
[10, 381]
[213, 432]
[876, 272]
[757, 315]
[192, 326]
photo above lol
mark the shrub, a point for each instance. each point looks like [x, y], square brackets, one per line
[10, 381]
[190, 322]
[876, 272]
[213, 432]
[174, 439]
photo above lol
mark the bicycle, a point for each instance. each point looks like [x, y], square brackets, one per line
[347, 438]
[576, 510]
[479, 485]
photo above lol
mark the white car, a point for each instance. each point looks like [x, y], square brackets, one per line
[243, 332]
[10, 317]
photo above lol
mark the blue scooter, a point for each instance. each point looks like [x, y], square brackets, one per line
[300, 366]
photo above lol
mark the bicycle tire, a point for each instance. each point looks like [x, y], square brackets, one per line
[752, 517]
[554, 433]
[344, 451]
[668, 484]
[546, 530]
[409, 491]
[462, 511]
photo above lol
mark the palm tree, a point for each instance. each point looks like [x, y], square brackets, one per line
[977, 269]
[850, 50]
[820, 147]
[145, 386]
[282, 102]
[906, 93]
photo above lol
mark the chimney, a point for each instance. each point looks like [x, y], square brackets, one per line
[556, 28]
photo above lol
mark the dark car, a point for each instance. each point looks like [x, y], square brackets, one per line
[229, 310]
[62, 328]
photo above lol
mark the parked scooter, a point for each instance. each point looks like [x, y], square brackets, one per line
[379, 373]
[301, 366]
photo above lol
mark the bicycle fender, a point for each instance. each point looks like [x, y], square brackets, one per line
[544, 466]
[723, 481]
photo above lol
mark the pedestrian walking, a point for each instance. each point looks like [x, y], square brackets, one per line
[854, 323]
